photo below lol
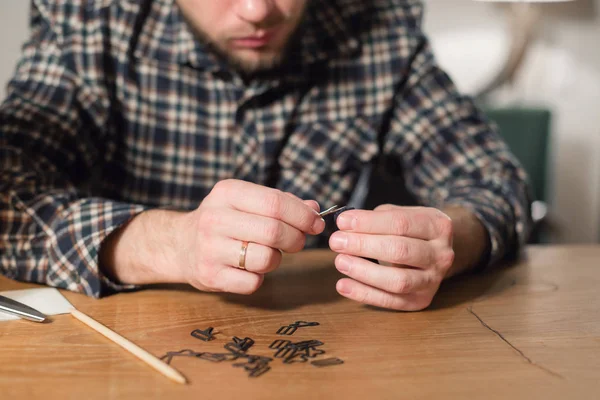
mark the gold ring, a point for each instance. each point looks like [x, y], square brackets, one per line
[242, 262]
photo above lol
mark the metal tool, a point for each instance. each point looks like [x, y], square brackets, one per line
[330, 210]
[20, 310]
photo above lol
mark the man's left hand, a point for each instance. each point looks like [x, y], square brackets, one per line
[413, 246]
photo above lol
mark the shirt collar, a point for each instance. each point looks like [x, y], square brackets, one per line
[324, 34]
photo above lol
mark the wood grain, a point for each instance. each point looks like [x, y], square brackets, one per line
[152, 361]
[531, 330]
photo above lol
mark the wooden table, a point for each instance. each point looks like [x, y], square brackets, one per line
[531, 330]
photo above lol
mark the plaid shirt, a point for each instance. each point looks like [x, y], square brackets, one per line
[115, 108]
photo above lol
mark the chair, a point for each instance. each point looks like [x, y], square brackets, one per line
[527, 133]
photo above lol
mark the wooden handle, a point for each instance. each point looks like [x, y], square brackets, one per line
[137, 351]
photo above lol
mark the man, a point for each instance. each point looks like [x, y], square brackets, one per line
[193, 141]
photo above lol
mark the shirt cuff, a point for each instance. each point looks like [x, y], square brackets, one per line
[74, 249]
[506, 222]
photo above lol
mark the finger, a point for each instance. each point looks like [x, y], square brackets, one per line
[292, 195]
[260, 200]
[386, 207]
[224, 278]
[260, 259]
[258, 229]
[311, 203]
[394, 249]
[416, 222]
[388, 278]
[376, 297]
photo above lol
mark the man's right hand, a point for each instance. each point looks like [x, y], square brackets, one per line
[202, 247]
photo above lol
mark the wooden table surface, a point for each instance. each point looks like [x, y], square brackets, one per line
[531, 330]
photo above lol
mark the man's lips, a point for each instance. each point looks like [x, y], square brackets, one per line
[259, 40]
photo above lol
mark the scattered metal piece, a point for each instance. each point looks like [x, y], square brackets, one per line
[243, 344]
[287, 330]
[285, 352]
[291, 328]
[260, 359]
[255, 373]
[327, 362]
[295, 357]
[306, 343]
[255, 365]
[253, 361]
[167, 358]
[234, 351]
[254, 369]
[296, 352]
[303, 324]
[214, 357]
[279, 343]
[311, 352]
[204, 335]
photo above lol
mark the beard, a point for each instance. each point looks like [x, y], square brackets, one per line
[262, 62]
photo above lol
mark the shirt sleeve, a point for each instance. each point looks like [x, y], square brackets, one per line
[451, 154]
[51, 228]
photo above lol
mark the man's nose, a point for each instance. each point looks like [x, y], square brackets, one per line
[254, 11]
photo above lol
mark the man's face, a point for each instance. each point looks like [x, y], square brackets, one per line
[251, 34]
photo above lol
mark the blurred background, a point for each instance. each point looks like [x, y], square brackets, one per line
[535, 68]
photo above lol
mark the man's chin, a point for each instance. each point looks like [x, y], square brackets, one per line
[255, 63]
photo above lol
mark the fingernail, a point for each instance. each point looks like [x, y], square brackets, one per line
[345, 221]
[343, 264]
[338, 241]
[342, 287]
[318, 226]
